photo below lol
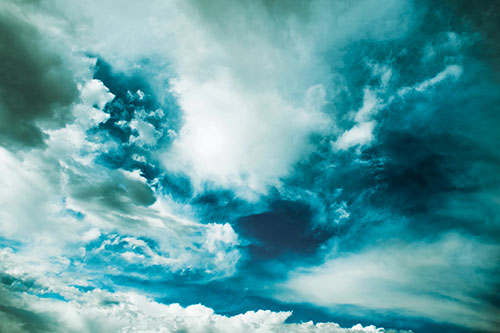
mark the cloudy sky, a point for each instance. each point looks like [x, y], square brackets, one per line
[249, 166]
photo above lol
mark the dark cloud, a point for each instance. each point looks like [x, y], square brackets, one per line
[482, 18]
[177, 185]
[221, 206]
[19, 284]
[36, 87]
[120, 193]
[434, 165]
[285, 228]
[217, 14]
[436, 151]
[13, 319]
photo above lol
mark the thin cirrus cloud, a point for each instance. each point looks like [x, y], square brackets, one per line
[408, 277]
[267, 166]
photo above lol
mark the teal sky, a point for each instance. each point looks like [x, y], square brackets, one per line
[250, 166]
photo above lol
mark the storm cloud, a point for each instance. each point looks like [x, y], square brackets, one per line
[36, 87]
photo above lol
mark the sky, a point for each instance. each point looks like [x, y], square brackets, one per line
[250, 166]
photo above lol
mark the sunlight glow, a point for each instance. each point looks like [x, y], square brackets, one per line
[208, 141]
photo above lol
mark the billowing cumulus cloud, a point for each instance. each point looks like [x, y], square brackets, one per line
[265, 166]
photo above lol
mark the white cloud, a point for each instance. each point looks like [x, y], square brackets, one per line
[251, 81]
[95, 93]
[59, 199]
[240, 139]
[250, 104]
[361, 134]
[147, 134]
[220, 234]
[450, 72]
[91, 235]
[358, 135]
[194, 248]
[441, 280]
[103, 311]
[31, 209]
[262, 95]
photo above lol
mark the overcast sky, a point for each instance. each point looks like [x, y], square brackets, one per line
[250, 166]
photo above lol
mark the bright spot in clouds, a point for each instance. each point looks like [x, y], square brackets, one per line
[208, 141]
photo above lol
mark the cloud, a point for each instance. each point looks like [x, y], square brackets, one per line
[285, 228]
[74, 201]
[197, 252]
[194, 150]
[239, 141]
[262, 96]
[361, 134]
[250, 105]
[451, 71]
[448, 279]
[147, 134]
[22, 186]
[37, 88]
[95, 93]
[79, 309]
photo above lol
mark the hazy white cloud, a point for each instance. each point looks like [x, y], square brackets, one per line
[450, 72]
[240, 139]
[442, 280]
[210, 250]
[32, 209]
[361, 134]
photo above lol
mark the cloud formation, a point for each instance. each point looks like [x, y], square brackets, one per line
[29, 304]
[36, 87]
[185, 166]
[423, 278]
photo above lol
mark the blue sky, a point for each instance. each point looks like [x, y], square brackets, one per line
[264, 166]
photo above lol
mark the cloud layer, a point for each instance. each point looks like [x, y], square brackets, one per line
[232, 166]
